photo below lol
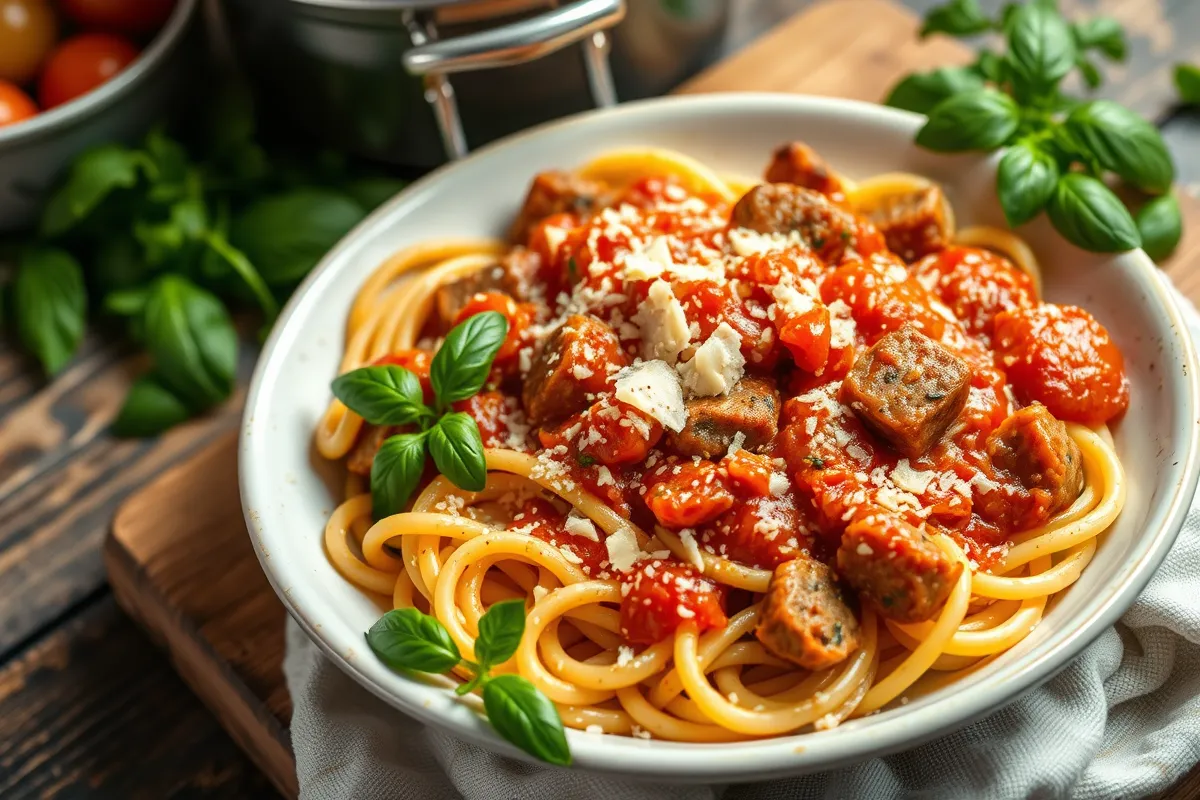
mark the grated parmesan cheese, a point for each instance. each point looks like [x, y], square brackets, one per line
[717, 365]
[623, 549]
[687, 538]
[653, 387]
[580, 525]
[662, 324]
[778, 484]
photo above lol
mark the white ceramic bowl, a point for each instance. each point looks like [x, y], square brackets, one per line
[284, 485]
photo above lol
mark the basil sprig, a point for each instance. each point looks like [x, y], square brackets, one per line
[406, 639]
[391, 395]
[1062, 153]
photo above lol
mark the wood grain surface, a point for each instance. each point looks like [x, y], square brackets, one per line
[88, 707]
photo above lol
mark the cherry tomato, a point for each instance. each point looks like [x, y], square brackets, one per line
[134, 17]
[80, 64]
[15, 105]
[28, 30]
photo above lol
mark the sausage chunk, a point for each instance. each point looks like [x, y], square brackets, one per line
[914, 224]
[557, 192]
[513, 276]
[828, 230]
[907, 389]
[799, 164]
[573, 362]
[1035, 449]
[751, 408]
[896, 567]
[805, 618]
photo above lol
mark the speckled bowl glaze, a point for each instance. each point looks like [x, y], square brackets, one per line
[285, 487]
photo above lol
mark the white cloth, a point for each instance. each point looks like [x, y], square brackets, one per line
[1123, 720]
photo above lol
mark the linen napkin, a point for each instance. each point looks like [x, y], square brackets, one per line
[1123, 720]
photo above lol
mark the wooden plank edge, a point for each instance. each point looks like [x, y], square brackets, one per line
[258, 732]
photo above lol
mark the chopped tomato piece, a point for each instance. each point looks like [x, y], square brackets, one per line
[806, 336]
[749, 472]
[767, 269]
[540, 519]
[415, 361]
[608, 431]
[665, 594]
[519, 316]
[683, 494]
[1063, 358]
[759, 532]
[976, 284]
[883, 297]
[499, 417]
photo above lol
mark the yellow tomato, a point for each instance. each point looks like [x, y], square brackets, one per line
[28, 30]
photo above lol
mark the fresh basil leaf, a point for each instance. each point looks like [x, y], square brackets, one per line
[1160, 224]
[1091, 75]
[395, 473]
[1025, 181]
[1090, 216]
[1123, 142]
[956, 18]
[1101, 33]
[241, 265]
[119, 264]
[149, 409]
[285, 235]
[404, 638]
[192, 340]
[94, 174]
[500, 631]
[982, 119]
[382, 395]
[173, 177]
[990, 66]
[527, 718]
[1187, 81]
[127, 302]
[165, 241]
[370, 193]
[921, 91]
[50, 305]
[457, 450]
[462, 363]
[1041, 50]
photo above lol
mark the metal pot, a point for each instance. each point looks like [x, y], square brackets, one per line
[374, 76]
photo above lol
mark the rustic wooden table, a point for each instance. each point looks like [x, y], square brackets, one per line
[88, 706]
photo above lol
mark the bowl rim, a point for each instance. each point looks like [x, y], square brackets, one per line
[784, 755]
[123, 83]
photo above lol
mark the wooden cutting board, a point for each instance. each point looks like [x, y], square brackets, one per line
[179, 558]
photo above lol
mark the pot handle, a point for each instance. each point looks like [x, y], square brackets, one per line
[515, 43]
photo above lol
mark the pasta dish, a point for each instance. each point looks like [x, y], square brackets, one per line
[761, 456]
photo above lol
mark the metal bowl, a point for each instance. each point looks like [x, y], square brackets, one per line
[33, 153]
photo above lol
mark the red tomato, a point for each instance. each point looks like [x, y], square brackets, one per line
[415, 361]
[80, 64]
[519, 316]
[749, 472]
[759, 532]
[134, 17]
[806, 336]
[539, 519]
[491, 412]
[883, 297]
[1063, 358]
[683, 494]
[608, 431]
[15, 105]
[976, 284]
[658, 592]
[28, 30]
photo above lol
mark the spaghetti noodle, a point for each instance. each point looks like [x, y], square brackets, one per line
[645, 599]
